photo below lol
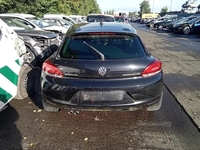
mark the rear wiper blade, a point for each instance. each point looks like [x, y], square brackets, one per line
[95, 50]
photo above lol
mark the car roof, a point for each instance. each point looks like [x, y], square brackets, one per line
[101, 27]
[100, 15]
[19, 15]
[52, 18]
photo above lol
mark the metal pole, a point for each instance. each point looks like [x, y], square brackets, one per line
[153, 7]
[171, 5]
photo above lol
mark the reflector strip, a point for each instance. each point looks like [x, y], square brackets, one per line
[9, 74]
[6, 92]
[4, 96]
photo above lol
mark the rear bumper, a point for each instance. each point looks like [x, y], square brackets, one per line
[101, 94]
[142, 104]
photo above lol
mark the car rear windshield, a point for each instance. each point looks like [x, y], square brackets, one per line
[100, 18]
[94, 46]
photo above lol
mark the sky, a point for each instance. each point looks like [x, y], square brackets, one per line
[133, 5]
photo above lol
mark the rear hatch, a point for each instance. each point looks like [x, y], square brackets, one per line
[105, 55]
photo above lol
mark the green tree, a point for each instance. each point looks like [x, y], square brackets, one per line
[163, 11]
[95, 7]
[40, 7]
[144, 7]
[110, 12]
[133, 14]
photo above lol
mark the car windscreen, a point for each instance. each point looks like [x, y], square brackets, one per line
[12, 22]
[96, 47]
[40, 23]
[100, 18]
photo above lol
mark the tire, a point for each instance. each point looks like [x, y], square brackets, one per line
[48, 107]
[29, 56]
[151, 25]
[160, 27]
[156, 106]
[26, 82]
[186, 30]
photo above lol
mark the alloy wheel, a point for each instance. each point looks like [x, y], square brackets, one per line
[186, 30]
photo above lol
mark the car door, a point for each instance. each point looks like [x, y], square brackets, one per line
[11, 47]
[196, 27]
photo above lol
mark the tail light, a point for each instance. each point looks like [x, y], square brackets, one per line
[49, 68]
[154, 68]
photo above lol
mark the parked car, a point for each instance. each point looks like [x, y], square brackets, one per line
[145, 20]
[11, 59]
[61, 16]
[21, 19]
[78, 18]
[163, 24]
[58, 21]
[151, 23]
[100, 18]
[102, 66]
[47, 26]
[192, 26]
[179, 20]
[35, 23]
[119, 19]
[35, 40]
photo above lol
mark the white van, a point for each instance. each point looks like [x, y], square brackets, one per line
[60, 16]
[11, 58]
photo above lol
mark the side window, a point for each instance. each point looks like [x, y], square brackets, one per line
[24, 22]
[198, 22]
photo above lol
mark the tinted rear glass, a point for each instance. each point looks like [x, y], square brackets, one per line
[111, 46]
[100, 18]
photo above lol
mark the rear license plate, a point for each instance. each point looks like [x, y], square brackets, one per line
[116, 95]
